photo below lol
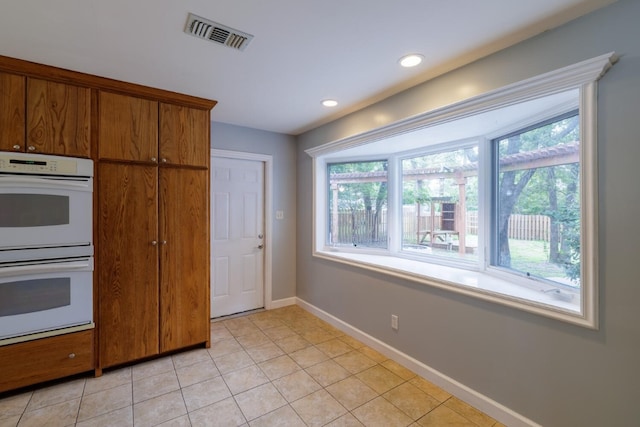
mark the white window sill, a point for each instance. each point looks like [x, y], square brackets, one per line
[476, 284]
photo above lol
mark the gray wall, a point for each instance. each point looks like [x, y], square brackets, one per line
[282, 148]
[551, 372]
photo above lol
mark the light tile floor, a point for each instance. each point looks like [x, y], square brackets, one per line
[282, 367]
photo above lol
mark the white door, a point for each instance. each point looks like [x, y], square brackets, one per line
[237, 235]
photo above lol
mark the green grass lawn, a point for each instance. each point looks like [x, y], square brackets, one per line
[532, 256]
[527, 256]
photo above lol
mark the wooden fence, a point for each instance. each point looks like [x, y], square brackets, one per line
[365, 227]
[530, 227]
[362, 227]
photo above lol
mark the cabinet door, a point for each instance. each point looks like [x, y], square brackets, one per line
[184, 258]
[58, 118]
[127, 262]
[128, 128]
[12, 114]
[184, 135]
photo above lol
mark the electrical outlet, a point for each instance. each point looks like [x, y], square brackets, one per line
[394, 322]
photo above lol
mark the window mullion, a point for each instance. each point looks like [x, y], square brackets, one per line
[394, 211]
[485, 185]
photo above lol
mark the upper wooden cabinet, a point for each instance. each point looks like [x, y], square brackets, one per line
[58, 118]
[135, 129]
[184, 134]
[38, 116]
[12, 112]
[128, 128]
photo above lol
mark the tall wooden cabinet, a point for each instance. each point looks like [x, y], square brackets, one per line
[127, 262]
[46, 117]
[184, 258]
[153, 228]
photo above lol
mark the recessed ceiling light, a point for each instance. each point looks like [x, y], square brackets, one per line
[329, 102]
[411, 60]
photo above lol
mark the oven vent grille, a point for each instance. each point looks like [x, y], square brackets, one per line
[217, 33]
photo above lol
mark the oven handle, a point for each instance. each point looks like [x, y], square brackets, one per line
[42, 268]
[6, 181]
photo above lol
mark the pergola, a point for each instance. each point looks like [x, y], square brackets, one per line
[560, 154]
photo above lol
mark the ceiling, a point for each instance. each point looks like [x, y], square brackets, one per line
[303, 51]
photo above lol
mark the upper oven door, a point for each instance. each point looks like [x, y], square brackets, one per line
[41, 212]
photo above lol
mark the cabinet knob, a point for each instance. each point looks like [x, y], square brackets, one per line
[163, 160]
[31, 148]
[164, 242]
[154, 242]
[72, 355]
[153, 159]
[260, 246]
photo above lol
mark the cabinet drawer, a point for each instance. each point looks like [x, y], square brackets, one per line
[45, 359]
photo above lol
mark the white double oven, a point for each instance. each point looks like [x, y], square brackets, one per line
[46, 246]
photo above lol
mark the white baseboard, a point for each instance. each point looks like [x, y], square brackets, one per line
[477, 400]
[282, 303]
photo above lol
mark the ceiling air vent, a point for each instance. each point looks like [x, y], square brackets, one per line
[217, 33]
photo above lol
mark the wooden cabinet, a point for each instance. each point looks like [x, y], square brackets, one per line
[39, 116]
[58, 118]
[153, 260]
[147, 131]
[45, 359]
[12, 112]
[127, 262]
[184, 257]
[184, 135]
[153, 244]
[128, 128]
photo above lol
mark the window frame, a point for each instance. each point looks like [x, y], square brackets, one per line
[480, 283]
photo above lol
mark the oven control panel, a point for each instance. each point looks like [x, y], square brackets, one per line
[37, 164]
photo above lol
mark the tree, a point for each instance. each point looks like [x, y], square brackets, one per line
[511, 185]
[537, 190]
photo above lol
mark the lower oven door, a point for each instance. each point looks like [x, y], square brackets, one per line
[45, 296]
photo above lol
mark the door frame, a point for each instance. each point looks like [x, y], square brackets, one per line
[267, 159]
